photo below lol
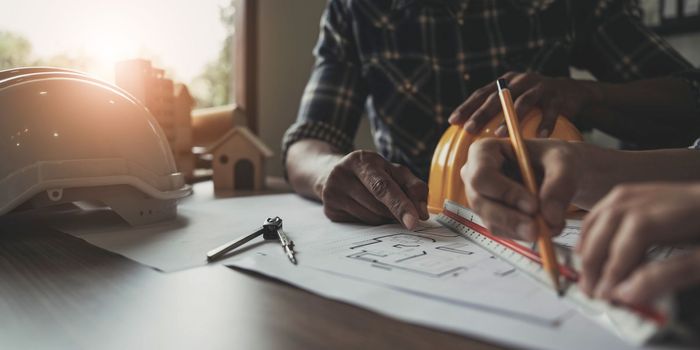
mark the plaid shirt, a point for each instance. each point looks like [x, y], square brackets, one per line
[409, 63]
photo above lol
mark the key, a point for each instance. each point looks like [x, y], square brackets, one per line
[266, 230]
[229, 246]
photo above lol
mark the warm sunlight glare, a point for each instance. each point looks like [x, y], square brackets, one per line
[181, 36]
[110, 47]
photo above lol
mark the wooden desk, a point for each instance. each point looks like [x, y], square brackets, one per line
[58, 292]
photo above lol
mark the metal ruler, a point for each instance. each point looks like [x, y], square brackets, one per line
[636, 325]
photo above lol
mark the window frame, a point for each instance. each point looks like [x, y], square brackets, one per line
[245, 68]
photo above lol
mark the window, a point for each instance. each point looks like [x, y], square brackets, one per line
[191, 40]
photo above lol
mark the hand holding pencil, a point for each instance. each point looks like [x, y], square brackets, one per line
[544, 237]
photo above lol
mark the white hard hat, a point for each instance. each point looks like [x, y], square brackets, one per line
[66, 137]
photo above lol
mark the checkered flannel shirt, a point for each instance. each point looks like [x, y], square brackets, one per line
[408, 64]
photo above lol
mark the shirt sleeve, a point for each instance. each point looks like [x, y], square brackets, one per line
[333, 101]
[613, 43]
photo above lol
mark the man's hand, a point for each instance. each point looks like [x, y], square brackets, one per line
[621, 228]
[555, 96]
[505, 205]
[360, 186]
[365, 187]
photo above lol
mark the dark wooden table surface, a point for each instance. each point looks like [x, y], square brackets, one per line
[57, 292]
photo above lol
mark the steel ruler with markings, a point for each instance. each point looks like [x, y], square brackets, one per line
[636, 325]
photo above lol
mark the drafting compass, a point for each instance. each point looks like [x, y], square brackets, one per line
[271, 229]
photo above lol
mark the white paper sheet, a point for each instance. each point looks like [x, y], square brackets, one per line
[575, 332]
[457, 287]
[203, 223]
[436, 262]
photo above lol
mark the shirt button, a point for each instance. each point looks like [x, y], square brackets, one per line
[466, 76]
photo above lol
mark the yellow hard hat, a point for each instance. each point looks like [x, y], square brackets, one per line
[451, 153]
[66, 137]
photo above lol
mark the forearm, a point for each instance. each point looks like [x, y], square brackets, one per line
[656, 112]
[309, 162]
[662, 99]
[606, 168]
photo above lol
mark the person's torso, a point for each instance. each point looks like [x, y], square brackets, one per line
[422, 59]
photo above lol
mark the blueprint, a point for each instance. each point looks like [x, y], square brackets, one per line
[434, 261]
[434, 277]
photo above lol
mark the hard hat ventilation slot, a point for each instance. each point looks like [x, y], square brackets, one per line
[128, 202]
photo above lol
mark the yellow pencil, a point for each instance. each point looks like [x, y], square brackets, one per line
[544, 238]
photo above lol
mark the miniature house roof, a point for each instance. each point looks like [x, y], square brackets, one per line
[245, 133]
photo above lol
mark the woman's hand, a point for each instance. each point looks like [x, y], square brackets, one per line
[622, 227]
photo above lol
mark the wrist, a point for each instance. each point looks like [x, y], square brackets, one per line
[595, 93]
[595, 173]
[309, 162]
[326, 165]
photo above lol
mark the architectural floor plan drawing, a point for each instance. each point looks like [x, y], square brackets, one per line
[424, 255]
[435, 262]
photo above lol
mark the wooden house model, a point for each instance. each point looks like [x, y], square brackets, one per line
[238, 161]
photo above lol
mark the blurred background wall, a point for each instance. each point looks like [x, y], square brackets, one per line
[288, 32]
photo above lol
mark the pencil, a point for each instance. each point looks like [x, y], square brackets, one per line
[544, 238]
